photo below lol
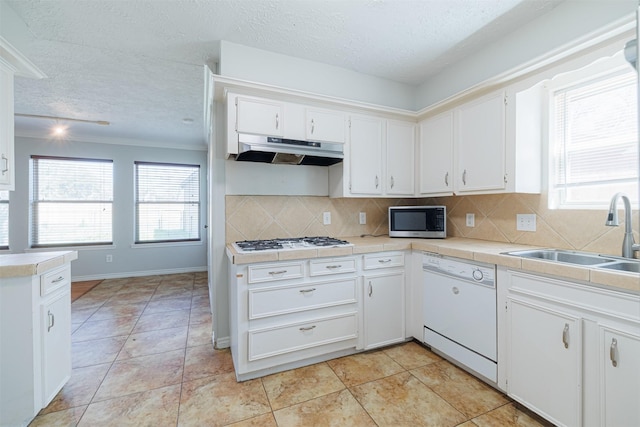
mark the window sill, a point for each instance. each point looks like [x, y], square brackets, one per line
[165, 244]
[71, 248]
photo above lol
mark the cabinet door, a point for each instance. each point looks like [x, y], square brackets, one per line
[365, 155]
[545, 361]
[620, 378]
[480, 139]
[325, 125]
[400, 157]
[6, 130]
[56, 343]
[259, 116]
[383, 309]
[436, 155]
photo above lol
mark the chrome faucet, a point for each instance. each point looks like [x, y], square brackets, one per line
[629, 246]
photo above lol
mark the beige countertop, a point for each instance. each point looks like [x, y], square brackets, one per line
[33, 263]
[472, 249]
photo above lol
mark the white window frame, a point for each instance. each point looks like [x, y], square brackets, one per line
[596, 70]
[35, 202]
[138, 240]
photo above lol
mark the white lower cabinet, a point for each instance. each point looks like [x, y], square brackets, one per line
[544, 368]
[383, 299]
[35, 337]
[294, 313]
[619, 377]
[569, 351]
[55, 318]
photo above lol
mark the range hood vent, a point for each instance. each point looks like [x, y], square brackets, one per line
[267, 149]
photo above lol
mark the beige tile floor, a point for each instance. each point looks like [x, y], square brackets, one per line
[142, 356]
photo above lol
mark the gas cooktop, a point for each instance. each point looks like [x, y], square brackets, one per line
[289, 243]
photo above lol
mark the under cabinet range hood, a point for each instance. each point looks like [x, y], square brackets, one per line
[267, 149]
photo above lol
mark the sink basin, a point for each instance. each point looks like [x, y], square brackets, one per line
[631, 266]
[569, 257]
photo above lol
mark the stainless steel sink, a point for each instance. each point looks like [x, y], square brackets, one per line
[558, 255]
[631, 266]
[581, 258]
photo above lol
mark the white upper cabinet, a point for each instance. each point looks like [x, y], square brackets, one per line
[12, 63]
[435, 166]
[480, 144]
[325, 125]
[259, 116]
[400, 158]
[365, 160]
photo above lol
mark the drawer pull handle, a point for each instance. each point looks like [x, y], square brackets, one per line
[59, 279]
[273, 273]
[565, 335]
[308, 328]
[5, 169]
[52, 320]
[384, 261]
[304, 291]
[277, 121]
[370, 289]
[313, 126]
[333, 267]
[612, 352]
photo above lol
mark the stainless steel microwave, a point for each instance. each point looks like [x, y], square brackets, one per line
[428, 222]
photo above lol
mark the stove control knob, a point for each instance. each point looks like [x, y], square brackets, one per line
[477, 274]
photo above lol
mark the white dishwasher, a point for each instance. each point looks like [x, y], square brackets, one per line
[460, 312]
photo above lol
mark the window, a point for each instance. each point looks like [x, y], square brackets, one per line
[594, 139]
[4, 220]
[72, 202]
[167, 202]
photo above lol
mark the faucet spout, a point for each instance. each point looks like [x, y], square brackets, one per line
[628, 244]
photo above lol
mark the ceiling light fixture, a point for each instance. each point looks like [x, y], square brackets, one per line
[68, 119]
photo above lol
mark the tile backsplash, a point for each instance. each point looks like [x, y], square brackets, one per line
[264, 217]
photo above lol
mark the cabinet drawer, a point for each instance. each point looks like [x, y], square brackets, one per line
[332, 266]
[290, 299]
[286, 339]
[391, 259]
[54, 279]
[272, 272]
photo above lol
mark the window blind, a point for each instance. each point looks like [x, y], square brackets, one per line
[4, 220]
[72, 201]
[167, 202]
[595, 149]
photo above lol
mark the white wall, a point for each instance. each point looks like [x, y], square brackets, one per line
[256, 65]
[570, 21]
[127, 261]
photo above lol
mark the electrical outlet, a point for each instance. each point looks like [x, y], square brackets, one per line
[526, 222]
[363, 218]
[471, 220]
[109, 258]
[326, 218]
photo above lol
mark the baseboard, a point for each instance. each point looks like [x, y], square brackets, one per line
[224, 342]
[136, 273]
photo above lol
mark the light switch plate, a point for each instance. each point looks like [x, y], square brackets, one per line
[471, 220]
[526, 222]
[326, 218]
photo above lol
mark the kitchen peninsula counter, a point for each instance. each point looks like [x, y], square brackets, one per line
[33, 263]
[471, 249]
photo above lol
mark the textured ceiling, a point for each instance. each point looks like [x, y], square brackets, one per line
[139, 63]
